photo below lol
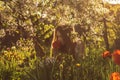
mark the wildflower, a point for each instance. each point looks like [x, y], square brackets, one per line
[20, 62]
[116, 57]
[106, 54]
[115, 76]
[8, 48]
[5, 52]
[61, 66]
[13, 47]
[78, 65]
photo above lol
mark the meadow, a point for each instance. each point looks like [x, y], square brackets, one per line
[17, 64]
[28, 29]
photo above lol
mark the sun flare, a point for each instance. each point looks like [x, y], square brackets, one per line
[112, 1]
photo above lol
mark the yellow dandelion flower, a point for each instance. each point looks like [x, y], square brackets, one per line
[61, 66]
[78, 65]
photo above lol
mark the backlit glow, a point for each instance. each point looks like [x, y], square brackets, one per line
[112, 1]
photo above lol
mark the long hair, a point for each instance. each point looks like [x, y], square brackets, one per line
[62, 33]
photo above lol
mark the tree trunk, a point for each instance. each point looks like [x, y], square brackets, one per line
[117, 43]
[105, 34]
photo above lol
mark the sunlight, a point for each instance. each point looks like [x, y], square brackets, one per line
[112, 1]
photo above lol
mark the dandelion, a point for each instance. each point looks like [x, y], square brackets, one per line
[61, 66]
[115, 76]
[116, 57]
[5, 52]
[78, 65]
[13, 47]
[106, 54]
[20, 62]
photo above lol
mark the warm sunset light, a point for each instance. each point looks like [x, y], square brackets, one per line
[59, 39]
[112, 1]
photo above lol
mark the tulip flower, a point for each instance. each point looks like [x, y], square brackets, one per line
[106, 54]
[116, 57]
[115, 76]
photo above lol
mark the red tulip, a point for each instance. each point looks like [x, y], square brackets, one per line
[115, 76]
[106, 54]
[116, 57]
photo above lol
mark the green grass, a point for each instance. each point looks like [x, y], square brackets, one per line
[63, 67]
